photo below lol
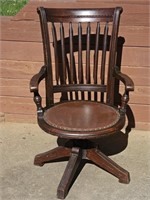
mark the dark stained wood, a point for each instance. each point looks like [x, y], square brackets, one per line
[63, 53]
[88, 71]
[103, 60]
[106, 163]
[71, 53]
[80, 63]
[96, 53]
[72, 118]
[96, 56]
[71, 168]
[55, 53]
[18, 66]
[52, 155]
[52, 15]
[88, 78]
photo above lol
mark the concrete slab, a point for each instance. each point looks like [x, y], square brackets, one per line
[21, 180]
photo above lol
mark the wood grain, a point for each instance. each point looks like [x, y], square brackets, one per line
[22, 57]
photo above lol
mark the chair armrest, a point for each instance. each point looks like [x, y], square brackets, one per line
[129, 85]
[35, 80]
[34, 83]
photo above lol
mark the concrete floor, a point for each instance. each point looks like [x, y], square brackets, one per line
[21, 180]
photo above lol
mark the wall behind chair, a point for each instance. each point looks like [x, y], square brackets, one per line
[22, 56]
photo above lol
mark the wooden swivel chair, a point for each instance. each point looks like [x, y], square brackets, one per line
[83, 72]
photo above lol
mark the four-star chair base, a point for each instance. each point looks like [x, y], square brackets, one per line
[75, 155]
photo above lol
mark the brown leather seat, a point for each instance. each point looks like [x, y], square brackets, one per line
[81, 116]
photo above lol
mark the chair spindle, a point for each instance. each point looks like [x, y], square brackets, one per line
[55, 53]
[63, 52]
[103, 61]
[71, 53]
[88, 78]
[96, 53]
[80, 63]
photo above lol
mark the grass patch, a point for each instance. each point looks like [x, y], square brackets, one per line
[11, 7]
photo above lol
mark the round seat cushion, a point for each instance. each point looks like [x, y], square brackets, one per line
[81, 116]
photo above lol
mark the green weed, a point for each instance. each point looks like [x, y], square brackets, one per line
[11, 7]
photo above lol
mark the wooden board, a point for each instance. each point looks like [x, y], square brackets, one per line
[19, 69]
[22, 56]
[25, 70]
[29, 31]
[27, 51]
[139, 12]
[20, 118]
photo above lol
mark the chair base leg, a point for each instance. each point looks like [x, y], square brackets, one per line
[69, 173]
[109, 165]
[52, 155]
[75, 155]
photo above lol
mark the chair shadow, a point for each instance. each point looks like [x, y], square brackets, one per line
[110, 145]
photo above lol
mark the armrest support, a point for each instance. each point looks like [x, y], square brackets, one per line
[35, 80]
[129, 85]
[34, 83]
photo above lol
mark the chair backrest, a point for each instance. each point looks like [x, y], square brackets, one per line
[80, 52]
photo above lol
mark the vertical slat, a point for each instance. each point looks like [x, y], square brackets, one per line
[71, 53]
[96, 57]
[71, 70]
[63, 52]
[74, 70]
[55, 53]
[103, 61]
[80, 70]
[96, 53]
[80, 63]
[88, 54]
[88, 79]
[73, 77]
[63, 69]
